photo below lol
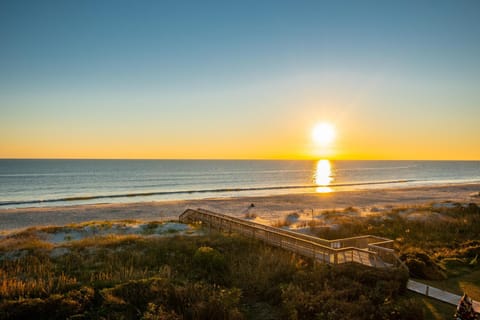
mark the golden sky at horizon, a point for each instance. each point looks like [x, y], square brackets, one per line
[350, 143]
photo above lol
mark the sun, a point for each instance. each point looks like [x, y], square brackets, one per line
[323, 134]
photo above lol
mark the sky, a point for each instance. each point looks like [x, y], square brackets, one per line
[239, 79]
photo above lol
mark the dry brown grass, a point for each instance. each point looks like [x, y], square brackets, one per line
[282, 223]
[23, 241]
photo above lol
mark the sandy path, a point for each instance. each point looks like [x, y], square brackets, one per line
[268, 207]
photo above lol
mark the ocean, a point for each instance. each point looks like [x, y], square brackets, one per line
[35, 183]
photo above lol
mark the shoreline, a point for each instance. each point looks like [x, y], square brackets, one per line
[271, 207]
[65, 200]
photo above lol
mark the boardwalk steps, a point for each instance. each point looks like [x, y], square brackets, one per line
[367, 250]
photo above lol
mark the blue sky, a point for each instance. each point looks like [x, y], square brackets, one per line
[244, 79]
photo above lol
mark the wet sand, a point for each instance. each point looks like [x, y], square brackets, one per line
[266, 207]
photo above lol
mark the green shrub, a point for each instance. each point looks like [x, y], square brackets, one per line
[343, 292]
[155, 312]
[138, 292]
[210, 265]
[422, 266]
[205, 301]
[54, 307]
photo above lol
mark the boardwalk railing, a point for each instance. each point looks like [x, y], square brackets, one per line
[367, 250]
[438, 294]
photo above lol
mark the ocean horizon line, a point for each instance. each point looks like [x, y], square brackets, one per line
[246, 159]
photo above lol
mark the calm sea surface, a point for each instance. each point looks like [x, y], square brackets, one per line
[32, 183]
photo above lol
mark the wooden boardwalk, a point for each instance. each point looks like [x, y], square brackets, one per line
[366, 250]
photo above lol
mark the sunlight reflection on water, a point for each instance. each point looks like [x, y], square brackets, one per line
[323, 176]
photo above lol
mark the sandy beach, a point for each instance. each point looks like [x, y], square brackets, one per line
[265, 208]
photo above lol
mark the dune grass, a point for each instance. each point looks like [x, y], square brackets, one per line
[443, 232]
[195, 277]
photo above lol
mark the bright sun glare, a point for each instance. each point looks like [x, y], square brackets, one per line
[323, 134]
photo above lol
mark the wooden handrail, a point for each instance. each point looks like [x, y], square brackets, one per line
[272, 230]
[297, 242]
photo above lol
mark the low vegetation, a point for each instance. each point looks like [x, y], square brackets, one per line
[435, 241]
[439, 243]
[190, 277]
[215, 276]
